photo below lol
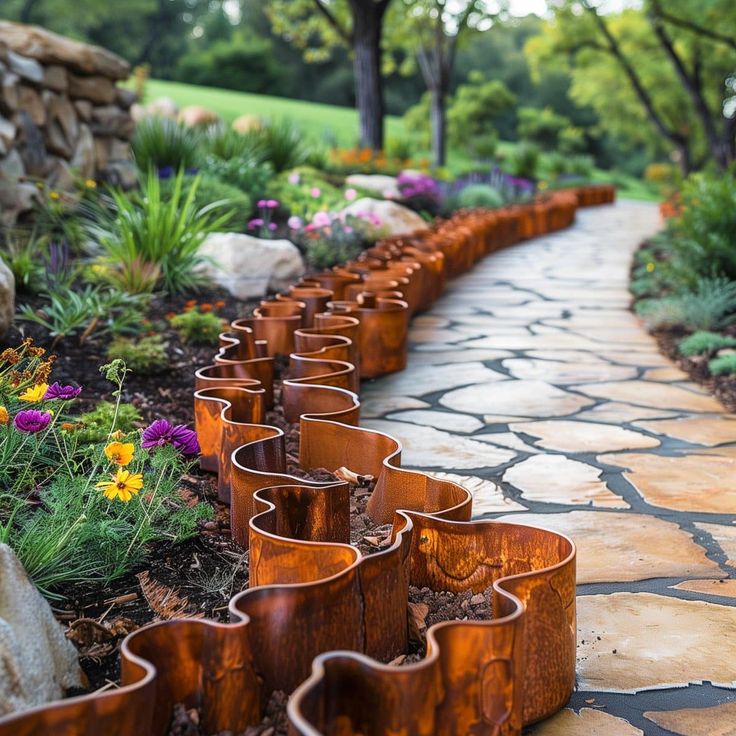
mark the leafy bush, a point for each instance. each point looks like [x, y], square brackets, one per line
[479, 195]
[702, 342]
[145, 355]
[704, 235]
[165, 229]
[541, 126]
[22, 251]
[304, 192]
[244, 173]
[74, 512]
[198, 326]
[161, 143]
[525, 160]
[709, 306]
[210, 189]
[283, 145]
[93, 309]
[723, 365]
[98, 424]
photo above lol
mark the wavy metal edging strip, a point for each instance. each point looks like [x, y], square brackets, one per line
[313, 596]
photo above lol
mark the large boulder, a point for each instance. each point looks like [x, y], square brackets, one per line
[391, 217]
[251, 267]
[385, 186]
[196, 116]
[37, 662]
[7, 298]
[246, 123]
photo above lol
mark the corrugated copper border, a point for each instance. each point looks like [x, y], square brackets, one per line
[314, 592]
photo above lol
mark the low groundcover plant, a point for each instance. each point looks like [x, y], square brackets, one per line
[78, 511]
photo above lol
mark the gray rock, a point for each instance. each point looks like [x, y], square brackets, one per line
[386, 186]
[24, 67]
[37, 662]
[392, 218]
[7, 303]
[250, 267]
[83, 160]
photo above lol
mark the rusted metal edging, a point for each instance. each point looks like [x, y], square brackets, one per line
[320, 616]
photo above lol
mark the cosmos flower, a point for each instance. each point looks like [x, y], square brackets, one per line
[161, 433]
[65, 393]
[123, 485]
[31, 420]
[4, 416]
[34, 394]
[120, 453]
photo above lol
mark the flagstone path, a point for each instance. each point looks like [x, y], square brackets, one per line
[532, 384]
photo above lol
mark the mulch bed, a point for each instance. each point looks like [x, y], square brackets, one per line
[198, 577]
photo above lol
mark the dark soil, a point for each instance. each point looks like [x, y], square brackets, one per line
[722, 387]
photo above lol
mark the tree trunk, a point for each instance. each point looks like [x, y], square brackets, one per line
[439, 125]
[367, 25]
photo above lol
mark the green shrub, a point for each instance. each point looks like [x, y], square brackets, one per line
[247, 176]
[22, 251]
[296, 190]
[709, 306]
[144, 355]
[159, 143]
[542, 126]
[210, 189]
[225, 143]
[96, 425]
[524, 160]
[702, 342]
[479, 195]
[198, 328]
[723, 365]
[704, 235]
[165, 229]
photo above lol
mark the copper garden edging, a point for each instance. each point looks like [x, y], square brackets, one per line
[312, 593]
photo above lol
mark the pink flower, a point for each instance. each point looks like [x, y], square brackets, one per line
[272, 226]
[272, 204]
[374, 219]
[347, 229]
[294, 222]
[309, 228]
[261, 203]
[321, 219]
[350, 194]
[315, 192]
[388, 194]
[294, 177]
[255, 222]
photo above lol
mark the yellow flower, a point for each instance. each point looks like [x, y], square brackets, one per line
[542, 185]
[124, 485]
[54, 195]
[4, 416]
[120, 453]
[650, 267]
[35, 393]
[90, 183]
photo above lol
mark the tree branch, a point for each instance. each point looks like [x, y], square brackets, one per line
[334, 23]
[696, 28]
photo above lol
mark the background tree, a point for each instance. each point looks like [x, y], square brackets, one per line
[318, 25]
[654, 76]
[429, 32]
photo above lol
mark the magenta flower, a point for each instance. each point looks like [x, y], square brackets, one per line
[161, 433]
[272, 204]
[272, 226]
[261, 203]
[255, 223]
[62, 393]
[31, 420]
[315, 192]
[321, 219]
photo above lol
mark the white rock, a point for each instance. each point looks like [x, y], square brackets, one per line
[37, 662]
[394, 218]
[250, 267]
[386, 186]
[7, 298]
[164, 107]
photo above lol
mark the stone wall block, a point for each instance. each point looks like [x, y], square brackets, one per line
[55, 78]
[28, 69]
[97, 89]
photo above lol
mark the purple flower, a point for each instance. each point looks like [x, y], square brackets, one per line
[165, 172]
[272, 204]
[272, 226]
[255, 222]
[31, 420]
[261, 203]
[294, 222]
[185, 440]
[62, 393]
[161, 433]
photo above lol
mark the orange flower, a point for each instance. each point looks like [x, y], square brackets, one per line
[4, 416]
[191, 303]
[206, 307]
[170, 315]
[219, 304]
[120, 453]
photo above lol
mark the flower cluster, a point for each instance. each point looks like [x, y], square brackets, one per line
[415, 185]
[263, 223]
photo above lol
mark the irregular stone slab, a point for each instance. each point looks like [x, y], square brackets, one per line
[572, 436]
[665, 373]
[647, 393]
[507, 439]
[612, 412]
[640, 358]
[458, 355]
[723, 588]
[519, 398]
[725, 536]
[711, 429]
[426, 447]
[37, 662]
[560, 373]
[436, 335]
[557, 479]
[699, 483]
[385, 186]
[395, 219]
[628, 642]
[567, 356]
[447, 420]
[487, 496]
[588, 722]
[615, 547]
[718, 720]
[380, 405]
[535, 342]
[427, 379]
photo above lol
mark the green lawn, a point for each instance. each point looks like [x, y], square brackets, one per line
[329, 123]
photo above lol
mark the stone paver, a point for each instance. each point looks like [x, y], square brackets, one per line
[531, 383]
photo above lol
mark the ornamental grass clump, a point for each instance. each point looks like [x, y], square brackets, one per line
[76, 510]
